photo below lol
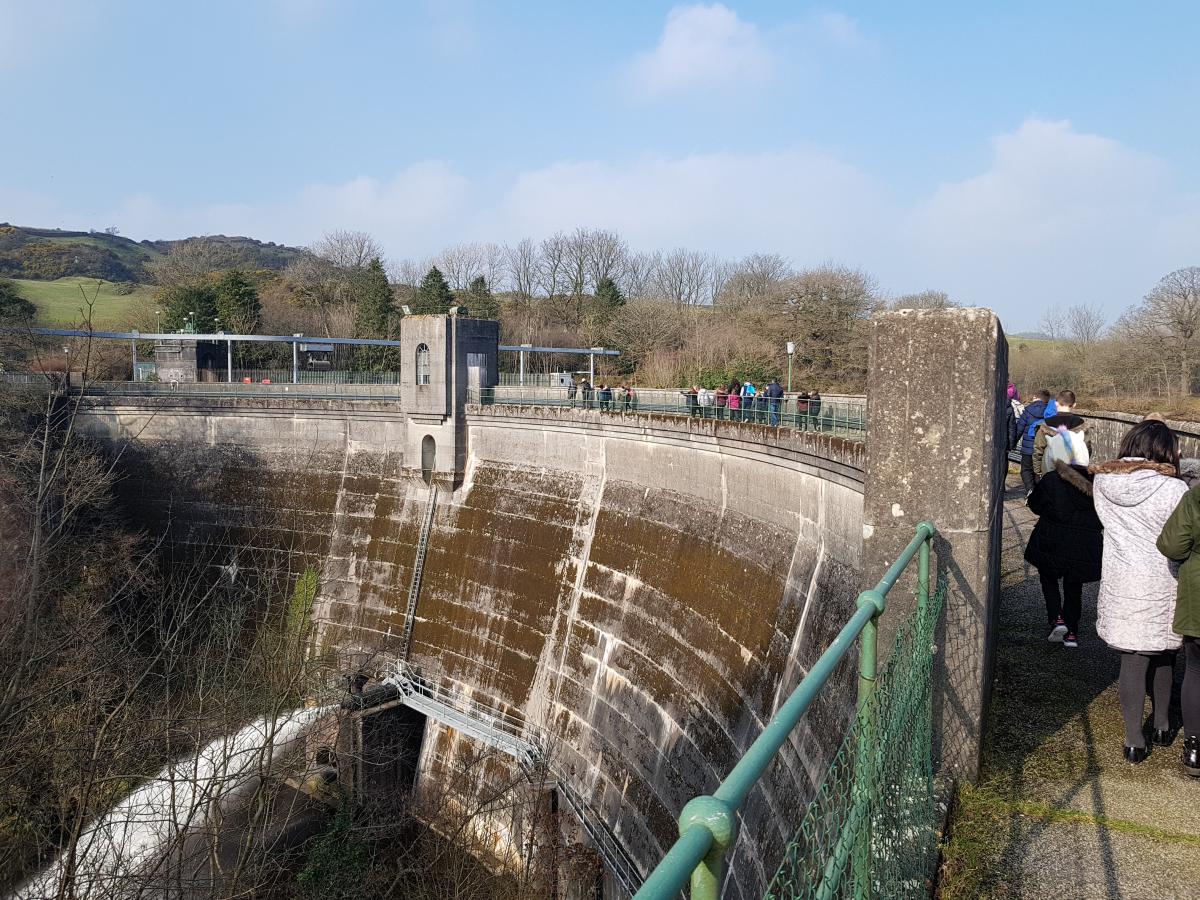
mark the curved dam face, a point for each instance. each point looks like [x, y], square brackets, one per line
[644, 590]
[648, 592]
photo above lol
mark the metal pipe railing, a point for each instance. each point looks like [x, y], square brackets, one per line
[708, 824]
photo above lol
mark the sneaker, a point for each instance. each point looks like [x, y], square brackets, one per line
[1057, 631]
[1071, 642]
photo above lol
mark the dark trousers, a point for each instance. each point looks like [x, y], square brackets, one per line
[1190, 698]
[1068, 604]
[1027, 477]
[1142, 673]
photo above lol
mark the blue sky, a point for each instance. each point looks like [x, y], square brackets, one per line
[1017, 155]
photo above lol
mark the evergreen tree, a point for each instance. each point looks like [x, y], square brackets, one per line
[480, 300]
[375, 310]
[608, 295]
[14, 309]
[433, 297]
[237, 303]
[181, 301]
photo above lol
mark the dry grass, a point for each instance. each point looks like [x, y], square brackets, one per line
[1184, 409]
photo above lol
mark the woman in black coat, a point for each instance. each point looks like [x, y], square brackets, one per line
[1067, 544]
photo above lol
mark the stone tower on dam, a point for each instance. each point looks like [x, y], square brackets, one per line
[633, 594]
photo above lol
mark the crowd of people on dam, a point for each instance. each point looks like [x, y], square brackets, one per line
[602, 396]
[738, 401]
[1131, 523]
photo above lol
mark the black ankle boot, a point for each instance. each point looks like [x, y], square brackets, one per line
[1191, 755]
[1136, 755]
[1163, 737]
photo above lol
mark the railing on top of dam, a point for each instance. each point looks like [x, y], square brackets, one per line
[217, 389]
[870, 829]
[843, 417]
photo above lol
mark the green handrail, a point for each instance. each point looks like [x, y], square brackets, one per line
[708, 824]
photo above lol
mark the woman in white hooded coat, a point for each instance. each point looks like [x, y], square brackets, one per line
[1135, 495]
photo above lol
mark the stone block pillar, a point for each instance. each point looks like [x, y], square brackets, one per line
[936, 451]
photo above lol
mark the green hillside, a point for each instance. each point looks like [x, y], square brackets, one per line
[49, 253]
[60, 302]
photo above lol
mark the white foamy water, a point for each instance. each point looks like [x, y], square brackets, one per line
[115, 848]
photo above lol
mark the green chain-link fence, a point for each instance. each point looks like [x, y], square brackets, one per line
[871, 830]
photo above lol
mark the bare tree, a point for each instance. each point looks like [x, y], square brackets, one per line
[1167, 323]
[523, 266]
[1085, 324]
[924, 300]
[640, 275]
[493, 265]
[552, 268]
[683, 277]
[577, 262]
[825, 310]
[190, 260]
[460, 264]
[411, 271]
[329, 275]
[1053, 323]
[607, 256]
[348, 249]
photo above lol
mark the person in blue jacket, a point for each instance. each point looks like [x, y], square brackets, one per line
[1025, 429]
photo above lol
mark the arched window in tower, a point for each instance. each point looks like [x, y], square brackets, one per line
[422, 364]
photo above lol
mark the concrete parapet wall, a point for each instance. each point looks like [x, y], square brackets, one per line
[1105, 430]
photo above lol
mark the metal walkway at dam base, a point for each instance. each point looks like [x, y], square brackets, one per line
[525, 744]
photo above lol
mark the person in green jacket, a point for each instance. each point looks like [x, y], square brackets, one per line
[1180, 541]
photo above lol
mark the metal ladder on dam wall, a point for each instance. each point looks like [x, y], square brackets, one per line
[414, 585]
[523, 742]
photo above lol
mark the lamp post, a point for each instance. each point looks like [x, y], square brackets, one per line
[791, 352]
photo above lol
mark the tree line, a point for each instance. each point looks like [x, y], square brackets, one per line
[1150, 350]
[677, 317]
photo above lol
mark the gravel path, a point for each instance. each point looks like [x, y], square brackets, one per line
[1058, 812]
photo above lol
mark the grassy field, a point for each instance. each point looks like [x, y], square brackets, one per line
[60, 302]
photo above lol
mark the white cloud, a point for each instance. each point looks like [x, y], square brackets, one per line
[1056, 216]
[734, 203]
[702, 46]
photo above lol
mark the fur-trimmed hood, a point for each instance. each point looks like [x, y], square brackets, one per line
[1132, 481]
[1076, 476]
[1131, 464]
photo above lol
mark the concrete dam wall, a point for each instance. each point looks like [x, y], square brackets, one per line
[638, 591]
[645, 590]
